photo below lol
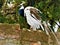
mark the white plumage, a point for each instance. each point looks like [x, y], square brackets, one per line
[32, 20]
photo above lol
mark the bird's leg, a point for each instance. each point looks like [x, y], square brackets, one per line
[32, 28]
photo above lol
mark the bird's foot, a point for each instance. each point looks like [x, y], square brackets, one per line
[34, 29]
[29, 30]
[39, 30]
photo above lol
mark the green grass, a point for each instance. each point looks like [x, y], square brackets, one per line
[59, 30]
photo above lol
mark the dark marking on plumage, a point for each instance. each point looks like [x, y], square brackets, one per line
[36, 13]
[21, 12]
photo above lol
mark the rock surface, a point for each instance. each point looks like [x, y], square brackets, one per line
[11, 34]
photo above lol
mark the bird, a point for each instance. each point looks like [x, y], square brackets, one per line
[32, 16]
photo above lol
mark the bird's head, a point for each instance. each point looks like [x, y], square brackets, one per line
[21, 9]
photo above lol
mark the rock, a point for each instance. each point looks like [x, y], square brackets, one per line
[36, 43]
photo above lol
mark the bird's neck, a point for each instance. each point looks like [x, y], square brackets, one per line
[22, 7]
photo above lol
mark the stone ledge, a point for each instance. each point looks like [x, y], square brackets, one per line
[34, 36]
[9, 30]
[13, 30]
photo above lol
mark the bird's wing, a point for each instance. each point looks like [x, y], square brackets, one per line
[35, 13]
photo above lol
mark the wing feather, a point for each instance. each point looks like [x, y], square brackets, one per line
[35, 12]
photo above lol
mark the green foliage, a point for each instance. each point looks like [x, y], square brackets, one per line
[50, 8]
[41, 5]
[1, 3]
[23, 22]
[3, 19]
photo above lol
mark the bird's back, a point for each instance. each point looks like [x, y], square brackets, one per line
[33, 11]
